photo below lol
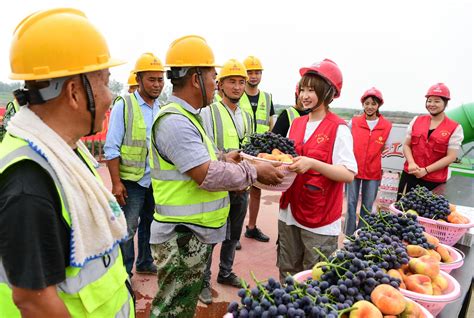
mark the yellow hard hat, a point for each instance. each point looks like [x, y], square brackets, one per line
[132, 79]
[57, 43]
[189, 51]
[233, 68]
[253, 64]
[148, 62]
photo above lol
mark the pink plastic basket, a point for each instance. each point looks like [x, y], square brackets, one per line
[304, 275]
[436, 303]
[447, 233]
[458, 259]
[289, 176]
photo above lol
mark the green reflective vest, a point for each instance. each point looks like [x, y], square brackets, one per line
[226, 134]
[134, 150]
[96, 290]
[178, 198]
[262, 115]
[292, 114]
[217, 97]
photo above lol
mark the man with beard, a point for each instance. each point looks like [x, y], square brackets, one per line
[126, 152]
[230, 128]
[370, 132]
[431, 144]
[259, 104]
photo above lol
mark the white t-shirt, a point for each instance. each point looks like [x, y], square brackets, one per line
[342, 155]
[454, 141]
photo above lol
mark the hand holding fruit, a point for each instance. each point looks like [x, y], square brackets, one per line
[301, 164]
[267, 173]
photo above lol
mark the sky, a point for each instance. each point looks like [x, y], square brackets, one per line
[401, 47]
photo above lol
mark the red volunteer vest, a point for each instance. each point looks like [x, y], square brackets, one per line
[429, 150]
[368, 146]
[315, 200]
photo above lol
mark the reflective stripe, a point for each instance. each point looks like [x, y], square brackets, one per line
[184, 210]
[125, 310]
[93, 270]
[219, 128]
[268, 106]
[3, 275]
[133, 163]
[26, 151]
[128, 140]
[262, 122]
[169, 175]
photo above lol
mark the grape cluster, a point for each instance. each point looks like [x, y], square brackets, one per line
[268, 141]
[382, 250]
[291, 299]
[425, 203]
[403, 226]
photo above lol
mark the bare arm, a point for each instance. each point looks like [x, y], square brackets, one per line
[412, 166]
[42, 303]
[338, 173]
[199, 173]
[118, 189]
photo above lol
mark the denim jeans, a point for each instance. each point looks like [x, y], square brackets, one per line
[235, 222]
[138, 212]
[369, 193]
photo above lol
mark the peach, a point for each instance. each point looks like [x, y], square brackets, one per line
[387, 299]
[444, 253]
[412, 310]
[426, 265]
[440, 281]
[419, 284]
[434, 254]
[395, 274]
[365, 309]
[416, 251]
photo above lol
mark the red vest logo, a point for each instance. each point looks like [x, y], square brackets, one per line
[380, 140]
[444, 133]
[321, 138]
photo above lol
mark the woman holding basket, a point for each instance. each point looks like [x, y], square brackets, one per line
[310, 210]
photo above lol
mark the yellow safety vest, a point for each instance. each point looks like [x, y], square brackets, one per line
[226, 135]
[96, 290]
[178, 198]
[262, 115]
[292, 114]
[134, 150]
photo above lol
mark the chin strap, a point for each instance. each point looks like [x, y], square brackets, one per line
[90, 102]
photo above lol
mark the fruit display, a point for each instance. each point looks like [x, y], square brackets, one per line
[369, 276]
[422, 202]
[267, 142]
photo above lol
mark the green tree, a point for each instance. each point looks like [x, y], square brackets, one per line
[115, 87]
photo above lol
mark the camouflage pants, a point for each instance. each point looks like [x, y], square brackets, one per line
[181, 262]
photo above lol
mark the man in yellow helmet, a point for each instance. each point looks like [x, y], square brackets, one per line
[132, 82]
[61, 227]
[230, 128]
[260, 104]
[190, 184]
[126, 151]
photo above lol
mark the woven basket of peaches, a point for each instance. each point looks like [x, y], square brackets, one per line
[275, 149]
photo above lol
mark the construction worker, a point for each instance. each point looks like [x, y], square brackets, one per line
[283, 122]
[132, 82]
[126, 152]
[229, 127]
[431, 144]
[259, 104]
[190, 184]
[370, 132]
[60, 256]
